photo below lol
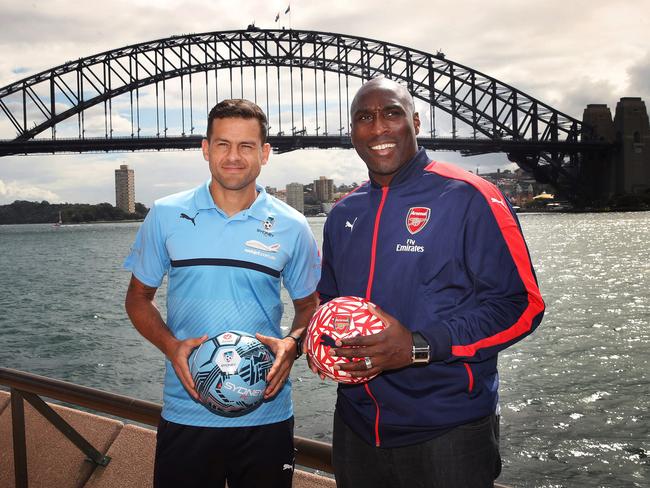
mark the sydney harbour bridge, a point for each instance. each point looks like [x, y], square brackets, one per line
[156, 96]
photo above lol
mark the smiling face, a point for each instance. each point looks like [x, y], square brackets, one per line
[384, 128]
[235, 154]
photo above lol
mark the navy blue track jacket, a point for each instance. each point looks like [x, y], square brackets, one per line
[441, 250]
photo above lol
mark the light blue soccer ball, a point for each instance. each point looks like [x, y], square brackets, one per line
[229, 372]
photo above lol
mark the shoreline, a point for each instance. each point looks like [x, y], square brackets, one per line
[582, 210]
[68, 224]
[518, 212]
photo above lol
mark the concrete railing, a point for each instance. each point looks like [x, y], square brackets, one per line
[27, 386]
[30, 387]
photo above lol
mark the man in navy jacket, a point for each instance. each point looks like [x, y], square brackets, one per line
[440, 252]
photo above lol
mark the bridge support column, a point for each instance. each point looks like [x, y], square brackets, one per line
[633, 155]
[597, 169]
[624, 171]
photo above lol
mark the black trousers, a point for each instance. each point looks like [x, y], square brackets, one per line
[464, 457]
[205, 457]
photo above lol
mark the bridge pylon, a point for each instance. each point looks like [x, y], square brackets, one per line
[625, 168]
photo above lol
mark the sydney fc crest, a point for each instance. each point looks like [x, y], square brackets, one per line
[268, 223]
[267, 226]
[417, 218]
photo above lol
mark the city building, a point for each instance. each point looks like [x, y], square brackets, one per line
[324, 189]
[518, 186]
[125, 189]
[296, 196]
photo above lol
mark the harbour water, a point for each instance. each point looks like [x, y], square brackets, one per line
[574, 395]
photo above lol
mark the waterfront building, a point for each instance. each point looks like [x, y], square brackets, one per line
[296, 196]
[125, 189]
[324, 189]
[518, 186]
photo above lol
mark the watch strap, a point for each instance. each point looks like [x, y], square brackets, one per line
[298, 345]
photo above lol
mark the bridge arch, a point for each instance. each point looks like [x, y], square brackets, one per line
[493, 108]
[495, 115]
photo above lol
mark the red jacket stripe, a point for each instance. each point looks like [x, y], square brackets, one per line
[517, 247]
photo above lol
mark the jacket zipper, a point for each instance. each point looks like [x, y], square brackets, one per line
[373, 250]
[371, 277]
[377, 440]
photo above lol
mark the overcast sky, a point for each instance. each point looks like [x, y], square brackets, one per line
[565, 53]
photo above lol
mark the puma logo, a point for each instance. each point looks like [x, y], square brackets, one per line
[187, 217]
[500, 202]
[351, 225]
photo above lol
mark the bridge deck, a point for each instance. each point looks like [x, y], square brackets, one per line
[282, 144]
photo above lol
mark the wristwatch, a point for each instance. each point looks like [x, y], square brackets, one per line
[298, 345]
[421, 352]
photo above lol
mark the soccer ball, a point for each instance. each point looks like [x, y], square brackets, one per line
[340, 318]
[229, 372]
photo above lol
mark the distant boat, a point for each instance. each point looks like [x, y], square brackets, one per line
[321, 214]
[557, 206]
[58, 224]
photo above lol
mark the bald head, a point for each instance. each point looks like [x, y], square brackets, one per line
[382, 83]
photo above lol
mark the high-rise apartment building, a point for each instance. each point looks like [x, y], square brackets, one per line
[125, 188]
[324, 189]
[296, 196]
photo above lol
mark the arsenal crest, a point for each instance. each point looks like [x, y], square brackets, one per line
[341, 322]
[417, 218]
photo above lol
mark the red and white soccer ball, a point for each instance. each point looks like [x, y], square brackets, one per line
[340, 318]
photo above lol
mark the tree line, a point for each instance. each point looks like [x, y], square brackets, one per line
[24, 212]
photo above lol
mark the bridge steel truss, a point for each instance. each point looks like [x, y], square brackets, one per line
[495, 116]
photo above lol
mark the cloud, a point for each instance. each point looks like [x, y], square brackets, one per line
[639, 79]
[584, 91]
[13, 190]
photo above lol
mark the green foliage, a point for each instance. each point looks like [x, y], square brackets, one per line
[24, 212]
